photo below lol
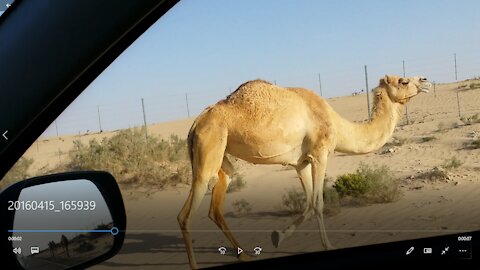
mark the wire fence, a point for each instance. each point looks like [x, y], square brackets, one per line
[180, 104]
[461, 99]
[111, 117]
[80, 122]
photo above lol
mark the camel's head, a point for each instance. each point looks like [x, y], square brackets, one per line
[401, 89]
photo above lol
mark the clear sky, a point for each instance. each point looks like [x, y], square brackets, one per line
[206, 48]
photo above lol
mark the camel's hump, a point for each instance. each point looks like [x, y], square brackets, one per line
[254, 83]
[253, 89]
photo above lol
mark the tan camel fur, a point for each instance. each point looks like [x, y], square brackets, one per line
[267, 124]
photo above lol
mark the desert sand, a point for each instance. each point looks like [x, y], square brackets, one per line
[427, 208]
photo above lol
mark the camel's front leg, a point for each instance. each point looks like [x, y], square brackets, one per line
[319, 166]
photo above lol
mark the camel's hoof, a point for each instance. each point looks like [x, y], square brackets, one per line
[329, 247]
[243, 257]
[277, 238]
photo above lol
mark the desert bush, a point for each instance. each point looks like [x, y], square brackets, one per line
[17, 173]
[470, 119]
[351, 184]
[428, 138]
[474, 85]
[369, 184]
[133, 159]
[474, 144]
[331, 200]
[434, 174]
[452, 163]
[241, 207]
[294, 200]
[238, 183]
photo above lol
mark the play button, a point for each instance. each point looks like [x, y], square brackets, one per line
[239, 251]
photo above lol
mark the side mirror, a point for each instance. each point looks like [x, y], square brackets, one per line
[61, 221]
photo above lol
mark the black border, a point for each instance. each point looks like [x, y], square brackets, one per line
[379, 256]
[105, 183]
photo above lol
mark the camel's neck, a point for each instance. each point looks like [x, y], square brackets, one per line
[360, 138]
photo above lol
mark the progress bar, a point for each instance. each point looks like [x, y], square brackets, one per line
[113, 231]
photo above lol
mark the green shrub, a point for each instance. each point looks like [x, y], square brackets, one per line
[241, 207]
[133, 159]
[238, 183]
[17, 173]
[331, 200]
[369, 184]
[294, 200]
[351, 184]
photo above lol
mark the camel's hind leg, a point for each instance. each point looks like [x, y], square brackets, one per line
[208, 152]
[217, 204]
[304, 172]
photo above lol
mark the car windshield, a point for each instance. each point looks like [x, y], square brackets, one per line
[357, 117]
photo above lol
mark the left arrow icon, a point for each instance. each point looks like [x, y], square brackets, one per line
[5, 135]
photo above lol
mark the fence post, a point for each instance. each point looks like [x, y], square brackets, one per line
[458, 105]
[366, 89]
[455, 60]
[144, 120]
[406, 105]
[434, 91]
[99, 121]
[320, 84]
[186, 101]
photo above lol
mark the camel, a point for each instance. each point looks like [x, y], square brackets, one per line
[263, 123]
[64, 244]
[52, 246]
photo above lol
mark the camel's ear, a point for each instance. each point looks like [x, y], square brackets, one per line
[387, 79]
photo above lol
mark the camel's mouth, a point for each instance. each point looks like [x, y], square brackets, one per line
[425, 87]
[423, 90]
